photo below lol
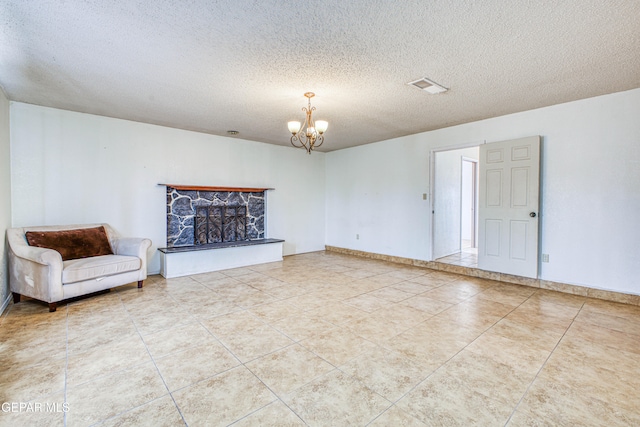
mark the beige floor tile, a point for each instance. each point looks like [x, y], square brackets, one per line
[104, 360]
[252, 343]
[428, 281]
[482, 374]
[412, 287]
[158, 413]
[111, 395]
[391, 294]
[561, 405]
[359, 273]
[301, 327]
[617, 323]
[223, 399]
[616, 388]
[221, 283]
[274, 414]
[274, 311]
[401, 314]
[425, 348]
[25, 383]
[187, 367]
[336, 346]
[287, 291]
[517, 354]
[428, 305]
[289, 368]
[539, 336]
[612, 308]
[444, 276]
[575, 301]
[179, 338]
[397, 418]
[386, 372]
[525, 419]
[605, 336]
[449, 293]
[308, 301]
[253, 299]
[584, 352]
[21, 350]
[367, 302]
[336, 399]
[444, 400]
[236, 272]
[232, 323]
[375, 329]
[204, 309]
[468, 316]
[336, 313]
[160, 319]
[96, 334]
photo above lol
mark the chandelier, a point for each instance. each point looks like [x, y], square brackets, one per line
[311, 134]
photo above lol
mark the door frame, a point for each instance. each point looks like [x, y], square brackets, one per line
[432, 184]
[474, 202]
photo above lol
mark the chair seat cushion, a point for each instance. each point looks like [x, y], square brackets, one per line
[77, 270]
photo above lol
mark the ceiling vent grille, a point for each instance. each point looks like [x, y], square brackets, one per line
[428, 86]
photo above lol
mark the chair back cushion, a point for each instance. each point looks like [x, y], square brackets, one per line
[72, 244]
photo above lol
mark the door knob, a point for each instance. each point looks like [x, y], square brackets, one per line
[532, 214]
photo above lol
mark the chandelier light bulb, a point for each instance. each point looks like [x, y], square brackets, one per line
[321, 126]
[294, 127]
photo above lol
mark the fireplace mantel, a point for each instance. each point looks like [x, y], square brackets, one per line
[208, 188]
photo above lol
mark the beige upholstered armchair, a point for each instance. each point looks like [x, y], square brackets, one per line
[42, 274]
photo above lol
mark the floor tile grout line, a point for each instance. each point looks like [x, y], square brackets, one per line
[515, 408]
[154, 365]
[458, 352]
[66, 364]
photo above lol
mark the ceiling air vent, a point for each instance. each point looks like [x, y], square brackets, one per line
[428, 86]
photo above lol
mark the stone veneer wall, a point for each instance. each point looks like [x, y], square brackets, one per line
[181, 211]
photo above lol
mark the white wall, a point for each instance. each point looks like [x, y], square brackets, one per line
[448, 200]
[78, 168]
[590, 192]
[5, 195]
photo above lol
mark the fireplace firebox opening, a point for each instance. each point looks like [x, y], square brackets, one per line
[218, 224]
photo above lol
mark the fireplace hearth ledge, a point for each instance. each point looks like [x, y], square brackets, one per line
[186, 260]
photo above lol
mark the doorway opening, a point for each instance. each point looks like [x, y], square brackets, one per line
[455, 205]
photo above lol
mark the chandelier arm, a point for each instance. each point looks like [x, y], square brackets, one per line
[302, 143]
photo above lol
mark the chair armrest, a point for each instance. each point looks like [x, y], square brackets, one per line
[131, 246]
[35, 272]
[134, 246]
[42, 256]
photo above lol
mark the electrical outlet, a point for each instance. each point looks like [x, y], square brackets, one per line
[545, 257]
[424, 196]
[357, 237]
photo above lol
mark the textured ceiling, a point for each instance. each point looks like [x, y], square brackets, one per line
[245, 65]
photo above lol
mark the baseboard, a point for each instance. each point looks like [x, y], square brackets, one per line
[500, 277]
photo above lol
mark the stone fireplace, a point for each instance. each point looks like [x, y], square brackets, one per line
[215, 228]
[213, 215]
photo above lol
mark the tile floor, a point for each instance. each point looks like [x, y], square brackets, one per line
[326, 340]
[467, 257]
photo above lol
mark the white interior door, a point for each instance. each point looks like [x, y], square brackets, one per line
[508, 217]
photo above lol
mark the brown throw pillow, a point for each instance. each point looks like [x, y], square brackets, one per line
[73, 244]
